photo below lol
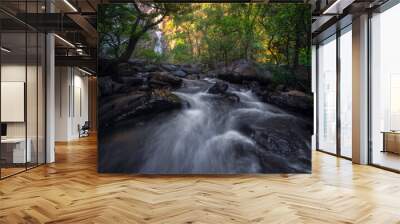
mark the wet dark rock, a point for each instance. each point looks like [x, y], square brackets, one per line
[139, 62]
[244, 71]
[230, 77]
[107, 86]
[244, 68]
[193, 76]
[281, 140]
[165, 79]
[137, 104]
[218, 88]
[231, 97]
[169, 67]
[280, 88]
[192, 69]
[112, 108]
[133, 80]
[158, 102]
[179, 73]
[150, 68]
[126, 69]
[294, 100]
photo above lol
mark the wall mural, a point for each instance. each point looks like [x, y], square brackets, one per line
[204, 88]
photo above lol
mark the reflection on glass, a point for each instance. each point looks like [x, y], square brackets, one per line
[346, 93]
[327, 95]
[385, 89]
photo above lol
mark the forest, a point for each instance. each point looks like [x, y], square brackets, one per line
[204, 88]
[208, 33]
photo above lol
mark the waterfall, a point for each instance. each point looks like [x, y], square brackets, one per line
[212, 134]
[203, 138]
[158, 48]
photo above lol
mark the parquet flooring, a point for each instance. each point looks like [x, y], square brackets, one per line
[71, 191]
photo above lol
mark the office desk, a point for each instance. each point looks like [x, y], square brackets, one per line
[391, 141]
[15, 148]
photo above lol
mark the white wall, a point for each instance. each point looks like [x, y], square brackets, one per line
[16, 73]
[33, 126]
[71, 102]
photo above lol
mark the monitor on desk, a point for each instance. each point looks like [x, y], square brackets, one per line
[3, 130]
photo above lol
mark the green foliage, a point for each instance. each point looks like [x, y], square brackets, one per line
[210, 33]
[114, 23]
[276, 36]
[121, 26]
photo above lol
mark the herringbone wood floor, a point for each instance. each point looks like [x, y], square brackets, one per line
[71, 191]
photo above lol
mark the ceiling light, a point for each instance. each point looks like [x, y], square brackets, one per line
[65, 41]
[5, 50]
[84, 71]
[337, 7]
[70, 5]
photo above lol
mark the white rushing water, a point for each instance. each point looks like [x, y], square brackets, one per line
[203, 137]
[158, 48]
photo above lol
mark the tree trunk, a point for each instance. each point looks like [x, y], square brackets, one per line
[133, 40]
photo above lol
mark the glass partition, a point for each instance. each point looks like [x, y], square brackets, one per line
[385, 89]
[14, 153]
[22, 77]
[346, 92]
[327, 95]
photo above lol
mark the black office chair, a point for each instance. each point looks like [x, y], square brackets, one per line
[84, 130]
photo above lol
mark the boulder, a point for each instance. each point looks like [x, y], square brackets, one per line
[169, 67]
[165, 79]
[126, 69]
[133, 81]
[283, 142]
[280, 88]
[294, 100]
[242, 71]
[230, 77]
[231, 97]
[244, 68]
[113, 107]
[218, 88]
[150, 68]
[136, 104]
[109, 87]
[192, 69]
[193, 76]
[179, 73]
[105, 85]
[137, 62]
